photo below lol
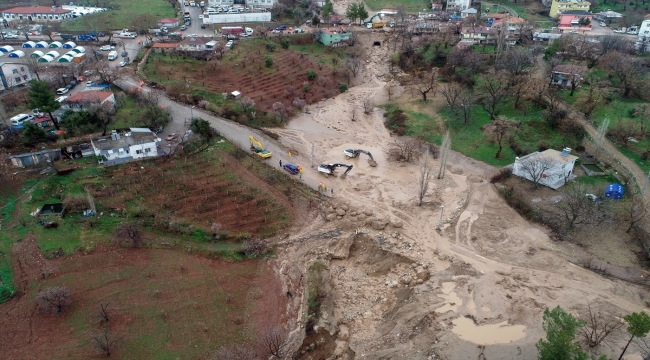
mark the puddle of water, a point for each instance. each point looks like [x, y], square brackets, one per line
[501, 333]
[471, 306]
[450, 298]
[485, 309]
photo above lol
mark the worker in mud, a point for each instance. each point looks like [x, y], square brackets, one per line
[280, 163]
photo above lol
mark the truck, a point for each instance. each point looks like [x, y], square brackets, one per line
[86, 37]
[375, 25]
[112, 55]
[68, 37]
[231, 30]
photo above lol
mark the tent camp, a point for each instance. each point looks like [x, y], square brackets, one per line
[69, 45]
[36, 54]
[16, 54]
[55, 45]
[29, 45]
[45, 58]
[79, 50]
[65, 59]
[53, 54]
[42, 45]
[6, 48]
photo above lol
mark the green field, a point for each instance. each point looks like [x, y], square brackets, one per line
[123, 16]
[408, 5]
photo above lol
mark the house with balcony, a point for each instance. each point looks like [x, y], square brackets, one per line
[195, 43]
[14, 74]
[333, 37]
[479, 35]
[136, 144]
[568, 74]
[458, 5]
[37, 14]
[575, 21]
[85, 99]
[559, 7]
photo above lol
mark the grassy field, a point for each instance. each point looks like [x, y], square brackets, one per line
[408, 5]
[124, 15]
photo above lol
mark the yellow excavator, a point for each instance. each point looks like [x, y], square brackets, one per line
[258, 148]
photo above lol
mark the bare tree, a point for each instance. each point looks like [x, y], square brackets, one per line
[499, 130]
[390, 90]
[246, 103]
[635, 211]
[594, 96]
[368, 106]
[452, 93]
[492, 94]
[234, 352]
[280, 111]
[274, 341]
[353, 113]
[424, 177]
[299, 103]
[444, 153]
[599, 325]
[262, 31]
[54, 299]
[404, 151]
[129, 233]
[105, 312]
[577, 209]
[354, 65]
[104, 342]
[34, 66]
[629, 71]
[600, 133]
[425, 82]
[535, 168]
[467, 106]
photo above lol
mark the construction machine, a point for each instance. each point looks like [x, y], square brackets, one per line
[328, 169]
[258, 148]
[354, 153]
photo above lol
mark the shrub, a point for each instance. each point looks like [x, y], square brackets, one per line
[203, 104]
[311, 75]
[503, 174]
[54, 299]
[255, 247]
[284, 43]
[306, 87]
[343, 87]
[270, 46]
[268, 61]
[396, 121]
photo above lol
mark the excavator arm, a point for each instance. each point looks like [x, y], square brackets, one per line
[367, 153]
[258, 148]
[334, 166]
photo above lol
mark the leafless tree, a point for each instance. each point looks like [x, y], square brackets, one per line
[246, 103]
[220, 49]
[299, 103]
[54, 299]
[425, 82]
[105, 312]
[499, 130]
[452, 92]
[593, 97]
[577, 209]
[280, 110]
[492, 94]
[636, 211]
[599, 325]
[445, 147]
[108, 74]
[142, 23]
[129, 233]
[104, 342]
[424, 177]
[34, 66]
[262, 31]
[516, 61]
[390, 90]
[368, 106]
[535, 167]
[354, 65]
[274, 340]
[353, 112]
[599, 138]
[405, 151]
[234, 352]
[628, 69]
[467, 105]
[624, 129]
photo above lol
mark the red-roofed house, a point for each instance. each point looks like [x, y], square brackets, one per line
[479, 34]
[194, 44]
[84, 99]
[576, 20]
[37, 13]
[164, 47]
[168, 23]
[436, 7]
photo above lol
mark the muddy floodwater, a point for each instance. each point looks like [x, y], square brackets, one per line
[500, 333]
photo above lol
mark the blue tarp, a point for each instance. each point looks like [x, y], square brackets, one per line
[614, 191]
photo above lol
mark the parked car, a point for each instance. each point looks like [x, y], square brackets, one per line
[74, 83]
[230, 43]
[183, 28]
[61, 98]
[106, 48]
[89, 83]
[602, 23]
[202, 26]
[123, 54]
[123, 63]
[171, 137]
[281, 28]
[62, 91]
[89, 72]
[11, 36]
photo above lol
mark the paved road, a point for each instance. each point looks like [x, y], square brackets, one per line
[233, 132]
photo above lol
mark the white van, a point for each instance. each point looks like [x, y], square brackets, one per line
[20, 119]
[112, 55]
[202, 3]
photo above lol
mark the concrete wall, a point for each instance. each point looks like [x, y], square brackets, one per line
[237, 18]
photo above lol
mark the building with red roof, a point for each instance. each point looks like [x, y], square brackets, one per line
[37, 14]
[168, 22]
[84, 99]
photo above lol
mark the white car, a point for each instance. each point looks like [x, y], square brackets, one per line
[602, 24]
[11, 36]
[230, 43]
[123, 63]
[89, 83]
[62, 91]
[127, 36]
[61, 98]
[106, 48]
[200, 16]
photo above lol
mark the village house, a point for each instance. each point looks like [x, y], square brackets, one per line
[117, 148]
[567, 74]
[194, 44]
[468, 12]
[85, 99]
[164, 48]
[458, 5]
[576, 21]
[168, 23]
[37, 13]
[560, 6]
[550, 167]
[330, 37]
[479, 34]
[436, 6]
[14, 74]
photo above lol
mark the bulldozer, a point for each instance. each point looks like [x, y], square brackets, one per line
[258, 148]
[328, 169]
[354, 153]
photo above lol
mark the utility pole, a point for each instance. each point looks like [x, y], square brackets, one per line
[646, 184]
[442, 211]
[312, 154]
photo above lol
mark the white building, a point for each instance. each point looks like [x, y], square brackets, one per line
[85, 99]
[550, 167]
[37, 14]
[14, 74]
[644, 35]
[458, 4]
[117, 148]
[254, 3]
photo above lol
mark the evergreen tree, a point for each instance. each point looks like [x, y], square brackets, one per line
[40, 96]
[560, 344]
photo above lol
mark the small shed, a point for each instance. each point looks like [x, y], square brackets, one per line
[17, 54]
[79, 58]
[614, 191]
[36, 54]
[79, 49]
[42, 45]
[29, 45]
[6, 48]
[69, 45]
[54, 209]
[34, 158]
[55, 45]
[235, 94]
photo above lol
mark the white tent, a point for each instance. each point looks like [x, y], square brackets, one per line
[53, 54]
[70, 54]
[16, 54]
[42, 44]
[6, 48]
[69, 45]
[55, 45]
[79, 50]
[46, 58]
[36, 54]
[29, 45]
[65, 58]
[609, 14]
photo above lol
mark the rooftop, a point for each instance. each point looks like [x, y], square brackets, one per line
[570, 69]
[121, 141]
[577, 12]
[28, 10]
[164, 46]
[89, 97]
[552, 156]
[168, 20]
[478, 30]
[196, 40]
